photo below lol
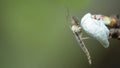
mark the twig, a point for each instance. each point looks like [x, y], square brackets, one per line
[115, 29]
[114, 33]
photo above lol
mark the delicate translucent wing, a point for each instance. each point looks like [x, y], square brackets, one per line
[82, 45]
[95, 29]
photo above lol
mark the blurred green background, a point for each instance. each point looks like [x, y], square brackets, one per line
[35, 34]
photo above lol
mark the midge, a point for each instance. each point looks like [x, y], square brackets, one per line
[77, 32]
[99, 27]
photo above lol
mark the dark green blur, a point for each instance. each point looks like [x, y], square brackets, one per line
[36, 34]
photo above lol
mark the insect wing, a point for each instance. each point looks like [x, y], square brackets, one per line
[82, 45]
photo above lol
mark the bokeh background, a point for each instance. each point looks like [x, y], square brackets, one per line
[35, 34]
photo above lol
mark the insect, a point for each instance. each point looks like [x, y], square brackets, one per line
[99, 27]
[77, 32]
